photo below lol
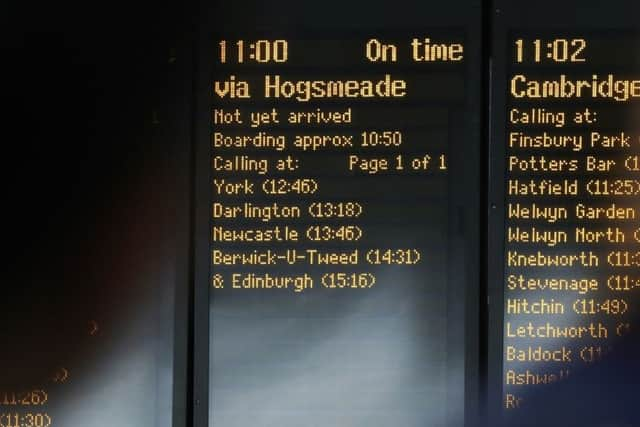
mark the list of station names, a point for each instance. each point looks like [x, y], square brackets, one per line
[572, 231]
[329, 219]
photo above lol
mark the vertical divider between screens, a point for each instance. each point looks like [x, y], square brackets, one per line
[482, 301]
[179, 112]
[465, 203]
[200, 226]
[495, 224]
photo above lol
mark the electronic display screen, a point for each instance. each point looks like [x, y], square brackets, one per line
[337, 227]
[565, 153]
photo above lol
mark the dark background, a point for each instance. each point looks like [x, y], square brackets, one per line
[94, 195]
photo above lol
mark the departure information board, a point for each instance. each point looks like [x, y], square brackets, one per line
[567, 145]
[337, 234]
[311, 214]
[406, 214]
[572, 230]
